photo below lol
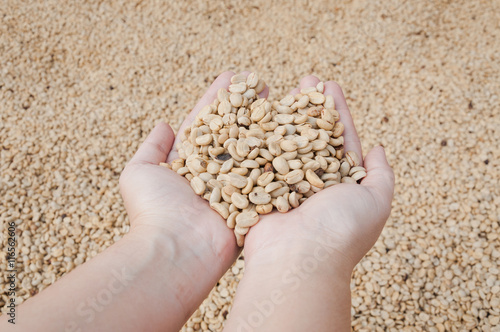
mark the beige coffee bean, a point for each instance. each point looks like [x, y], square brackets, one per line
[294, 176]
[197, 164]
[237, 180]
[301, 141]
[183, 170]
[319, 145]
[198, 185]
[248, 188]
[222, 95]
[249, 164]
[288, 100]
[242, 148]
[227, 166]
[266, 154]
[249, 94]
[176, 164]
[294, 198]
[303, 101]
[283, 119]
[301, 187]
[336, 141]
[213, 167]
[234, 154]
[215, 196]
[312, 165]
[240, 239]
[205, 176]
[330, 183]
[279, 192]
[259, 198]
[238, 78]
[274, 148]
[339, 152]
[220, 209]
[240, 170]
[299, 119]
[204, 139]
[344, 168]
[231, 219]
[324, 124]
[358, 175]
[329, 102]
[282, 204]
[261, 85]
[258, 114]
[282, 109]
[240, 201]
[189, 176]
[269, 126]
[241, 230]
[224, 107]
[352, 158]
[264, 209]
[288, 145]
[348, 179]
[310, 133]
[272, 186]
[329, 177]
[356, 169]
[238, 87]
[254, 174]
[308, 90]
[236, 99]
[313, 179]
[295, 164]
[320, 87]
[247, 219]
[216, 124]
[214, 184]
[252, 80]
[316, 98]
[280, 165]
[265, 179]
[338, 129]
[289, 155]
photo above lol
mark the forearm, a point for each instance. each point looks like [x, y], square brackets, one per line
[144, 282]
[292, 292]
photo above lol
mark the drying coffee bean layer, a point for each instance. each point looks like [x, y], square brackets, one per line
[247, 155]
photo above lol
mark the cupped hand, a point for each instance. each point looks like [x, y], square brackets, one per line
[344, 220]
[159, 200]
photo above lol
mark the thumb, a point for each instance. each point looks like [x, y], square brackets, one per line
[380, 177]
[156, 147]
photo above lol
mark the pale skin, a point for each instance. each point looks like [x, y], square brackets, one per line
[298, 265]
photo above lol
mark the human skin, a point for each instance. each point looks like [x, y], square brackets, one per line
[298, 265]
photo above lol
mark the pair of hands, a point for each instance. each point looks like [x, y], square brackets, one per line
[345, 219]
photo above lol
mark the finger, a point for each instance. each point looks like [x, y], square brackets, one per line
[351, 139]
[156, 147]
[380, 177]
[309, 81]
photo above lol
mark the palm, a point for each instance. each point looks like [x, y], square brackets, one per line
[165, 200]
[332, 217]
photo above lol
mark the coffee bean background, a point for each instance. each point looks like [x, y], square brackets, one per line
[83, 83]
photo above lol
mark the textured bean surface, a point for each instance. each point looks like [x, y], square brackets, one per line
[82, 83]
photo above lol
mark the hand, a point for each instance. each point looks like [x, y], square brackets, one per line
[345, 219]
[158, 200]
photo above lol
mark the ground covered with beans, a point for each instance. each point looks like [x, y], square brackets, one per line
[82, 84]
